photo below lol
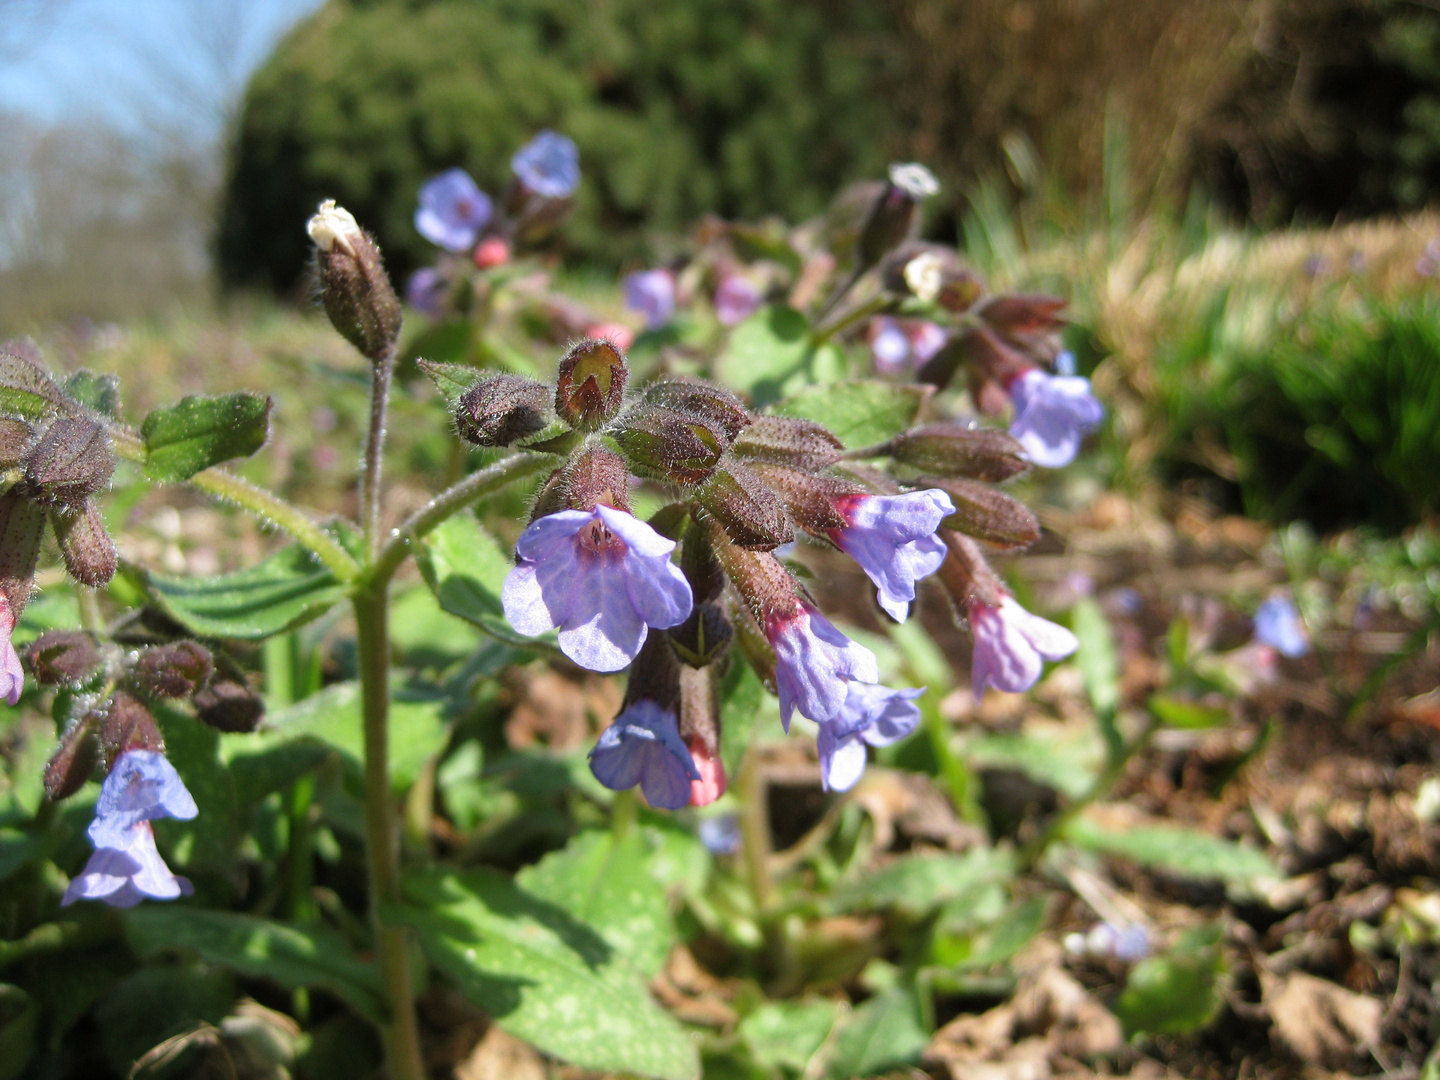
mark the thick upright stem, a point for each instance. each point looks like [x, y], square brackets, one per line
[382, 843]
[370, 486]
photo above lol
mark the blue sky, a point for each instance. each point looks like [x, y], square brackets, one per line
[136, 65]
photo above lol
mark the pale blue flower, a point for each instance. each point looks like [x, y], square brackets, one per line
[1053, 414]
[1278, 625]
[548, 165]
[643, 746]
[893, 539]
[814, 662]
[453, 210]
[1011, 646]
[873, 715]
[602, 577]
[651, 293]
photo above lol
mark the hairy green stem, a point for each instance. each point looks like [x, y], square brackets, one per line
[400, 1031]
[755, 833]
[448, 502]
[265, 505]
[850, 318]
[370, 472]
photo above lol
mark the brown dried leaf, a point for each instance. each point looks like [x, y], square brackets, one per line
[1321, 1022]
[501, 1056]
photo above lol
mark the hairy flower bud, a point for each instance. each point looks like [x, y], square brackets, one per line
[752, 515]
[1023, 313]
[966, 575]
[809, 499]
[354, 288]
[895, 212]
[590, 384]
[89, 552]
[71, 462]
[128, 725]
[724, 411]
[175, 670]
[501, 409]
[229, 705]
[987, 514]
[700, 731]
[952, 449]
[15, 436]
[594, 475]
[784, 440]
[60, 657]
[698, 563]
[669, 444]
[22, 528]
[73, 761]
[704, 637]
[931, 272]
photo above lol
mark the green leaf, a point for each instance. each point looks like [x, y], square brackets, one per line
[1099, 669]
[208, 840]
[452, 380]
[1189, 715]
[1181, 851]
[916, 884]
[156, 1002]
[26, 391]
[764, 351]
[543, 975]
[1176, 993]
[741, 696]
[861, 412]
[417, 727]
[289, 954]
[98, 393]
[1065, 757]
[287, 589]
[608, 884]
[884, 1033]
[197, 432]
[465, 567]
[19, 1023]
[786, 1034]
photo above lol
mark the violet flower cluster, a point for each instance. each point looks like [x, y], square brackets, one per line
[456, 215]
[666, 597]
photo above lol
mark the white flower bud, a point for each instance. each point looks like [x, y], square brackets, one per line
[924, 275]
[914, 179]
[333, 225]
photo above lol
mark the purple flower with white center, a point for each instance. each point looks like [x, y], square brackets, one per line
[142, 786]
[813, 664]
[889, 345]
[126, 872]
[1053, 413]
[602, 577]
[893, 539]
[871, 714]
[12, 674]
[651, 293]
[426, 291]
[453, 210]
[548, 165]
[1278, 625]
[643, 746]
[736, 299]
[1011, 645]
